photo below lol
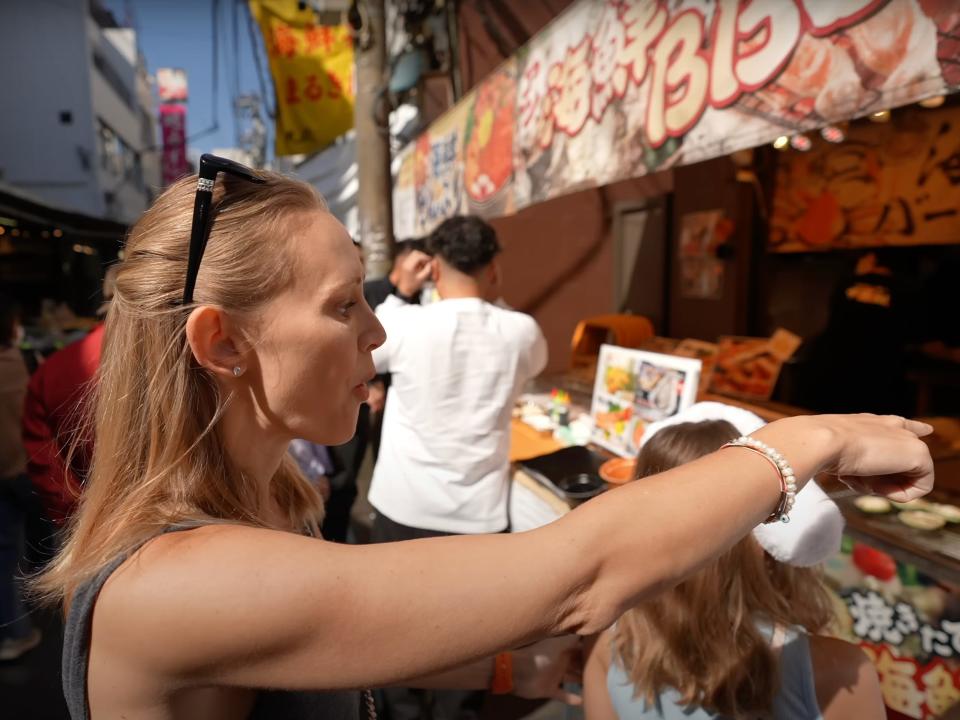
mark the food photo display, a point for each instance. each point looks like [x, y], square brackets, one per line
[633, 388]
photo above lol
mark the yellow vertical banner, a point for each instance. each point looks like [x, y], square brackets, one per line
[312, 68]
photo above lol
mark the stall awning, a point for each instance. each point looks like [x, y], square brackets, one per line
[48, 252]
[618, 89]
[25, 210]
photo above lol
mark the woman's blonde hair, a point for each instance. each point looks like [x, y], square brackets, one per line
[701, 638]
[158, 457]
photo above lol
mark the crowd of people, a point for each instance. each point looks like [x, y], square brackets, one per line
[198, 461]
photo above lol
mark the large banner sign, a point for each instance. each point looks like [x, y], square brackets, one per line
[614, 89]
[312, 68]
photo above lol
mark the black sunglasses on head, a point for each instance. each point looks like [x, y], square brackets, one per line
[210, 167]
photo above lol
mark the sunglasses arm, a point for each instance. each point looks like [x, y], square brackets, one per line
[210, 166]
[198, 239]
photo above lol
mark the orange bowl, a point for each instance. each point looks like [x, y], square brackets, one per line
[618, 470]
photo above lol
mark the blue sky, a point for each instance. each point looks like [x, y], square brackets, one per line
[179, 33]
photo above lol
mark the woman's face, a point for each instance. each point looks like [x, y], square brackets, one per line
[316, 338]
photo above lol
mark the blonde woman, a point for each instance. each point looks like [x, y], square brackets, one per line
[192, 577]
[737, 639]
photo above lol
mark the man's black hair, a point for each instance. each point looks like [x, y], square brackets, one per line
[402, 247]
[464, 242]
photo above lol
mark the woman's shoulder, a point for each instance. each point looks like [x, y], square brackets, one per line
[190, 562]
[845, 680]
[182, 550]
[838, 655]
[174, 594]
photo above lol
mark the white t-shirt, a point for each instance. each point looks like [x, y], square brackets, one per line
[457, 367]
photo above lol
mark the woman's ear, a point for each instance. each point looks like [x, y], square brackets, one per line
[434, 270]
[214, 342]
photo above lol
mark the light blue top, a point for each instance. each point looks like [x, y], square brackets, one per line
[796, 699]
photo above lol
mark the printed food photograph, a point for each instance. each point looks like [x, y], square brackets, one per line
[488, 153]
[633, 388]
[620, 382]
[614, 420]
[659, 390]
[619, 425]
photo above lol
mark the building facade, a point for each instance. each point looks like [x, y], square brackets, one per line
[78, 130]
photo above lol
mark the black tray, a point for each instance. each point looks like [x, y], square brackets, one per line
[552, 468]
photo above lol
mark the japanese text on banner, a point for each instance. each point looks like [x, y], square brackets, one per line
[312, 69]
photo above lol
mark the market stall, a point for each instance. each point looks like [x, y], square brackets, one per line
[626, 158]
[896, 581]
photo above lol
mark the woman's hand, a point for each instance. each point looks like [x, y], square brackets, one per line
[540, 669]
[879, 454]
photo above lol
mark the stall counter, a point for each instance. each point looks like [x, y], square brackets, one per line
[897, 589]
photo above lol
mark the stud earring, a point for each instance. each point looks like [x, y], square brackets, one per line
[237, 371]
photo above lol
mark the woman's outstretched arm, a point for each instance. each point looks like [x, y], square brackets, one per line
[229, 605]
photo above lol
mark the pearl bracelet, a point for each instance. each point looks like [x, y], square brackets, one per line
[788, 481]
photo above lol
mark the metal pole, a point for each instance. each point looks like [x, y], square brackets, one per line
[375, 205]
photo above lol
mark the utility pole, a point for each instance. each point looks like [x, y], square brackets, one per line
[253, 132]
[375, 206]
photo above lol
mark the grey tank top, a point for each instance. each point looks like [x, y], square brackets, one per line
[269, 704]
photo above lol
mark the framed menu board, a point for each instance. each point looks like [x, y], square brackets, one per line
[633, 388]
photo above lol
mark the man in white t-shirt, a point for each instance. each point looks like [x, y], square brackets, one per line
[457, 367]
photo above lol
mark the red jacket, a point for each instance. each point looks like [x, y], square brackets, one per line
[56, 399]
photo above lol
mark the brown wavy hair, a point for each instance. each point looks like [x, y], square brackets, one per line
[701, 638]
[159, 458]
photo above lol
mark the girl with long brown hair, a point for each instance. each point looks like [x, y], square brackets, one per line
[738, 638]
[194, 583]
